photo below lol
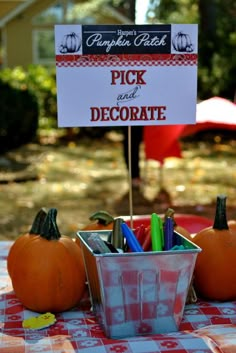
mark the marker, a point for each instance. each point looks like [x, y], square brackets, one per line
[131, 238]
[97, 244]
[156, 232]
[178, 247]
[177, 239]
[147, 244]
[111, 247]
[140, 232]
[117, 238]
[168, 233]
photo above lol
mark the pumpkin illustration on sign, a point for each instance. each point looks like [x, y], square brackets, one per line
[182, 42]
[71, 43]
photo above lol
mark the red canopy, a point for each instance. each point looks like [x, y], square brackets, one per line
[161, 142]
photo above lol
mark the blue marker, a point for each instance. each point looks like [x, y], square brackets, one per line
[168, 233]
[131, 239]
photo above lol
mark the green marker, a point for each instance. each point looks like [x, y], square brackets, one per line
[156, 232]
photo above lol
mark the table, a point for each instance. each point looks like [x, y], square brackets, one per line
[206, 327]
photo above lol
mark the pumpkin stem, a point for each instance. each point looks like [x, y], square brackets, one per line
[50, 229]
[220, 221]
[102, 217]
[38, 222]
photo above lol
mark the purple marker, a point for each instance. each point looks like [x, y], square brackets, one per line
[131, 238]
[168, 233]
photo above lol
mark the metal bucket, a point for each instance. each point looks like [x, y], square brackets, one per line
[138, 293]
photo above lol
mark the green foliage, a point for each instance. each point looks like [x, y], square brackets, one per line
[101, 11]
[217, 40]
[41, 82]
[177, 11]
[28, 104]
[19, 116]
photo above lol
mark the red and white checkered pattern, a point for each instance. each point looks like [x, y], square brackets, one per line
[143, 294]
[126, 60]
[77, 331]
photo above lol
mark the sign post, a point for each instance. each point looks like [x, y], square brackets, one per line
[126, 75]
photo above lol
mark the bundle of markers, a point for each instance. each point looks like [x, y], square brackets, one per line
[159, 236]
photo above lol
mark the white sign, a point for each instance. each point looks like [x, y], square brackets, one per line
[126, 74]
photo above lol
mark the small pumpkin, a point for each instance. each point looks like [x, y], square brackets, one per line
[100, 220]
[182, 42]
[170, 213]
[49, 274]
[232, 224]
[22, 240]
[215, 270]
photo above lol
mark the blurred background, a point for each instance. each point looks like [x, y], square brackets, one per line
[81, 170]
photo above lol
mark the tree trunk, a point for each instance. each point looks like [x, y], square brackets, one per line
[207, 30]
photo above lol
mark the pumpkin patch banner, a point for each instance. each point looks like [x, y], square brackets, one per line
[126, 74]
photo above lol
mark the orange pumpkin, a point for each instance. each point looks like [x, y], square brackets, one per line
[25, 238]
[215, 270]
[170, 213]
[48, 274]
[232, 224]
[100, 220]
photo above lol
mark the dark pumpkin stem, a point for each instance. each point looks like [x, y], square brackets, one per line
[220, 221]
[37, 224]
[102, 217]
[50, 229]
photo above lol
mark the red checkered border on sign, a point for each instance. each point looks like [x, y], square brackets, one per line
[126, 60]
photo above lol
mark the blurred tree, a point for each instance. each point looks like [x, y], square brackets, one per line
[174, 11]
[217, 47]
[217, 39]
[17, 106]
[127, 7]
[102, 11]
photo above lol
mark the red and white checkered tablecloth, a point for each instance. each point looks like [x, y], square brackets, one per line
[206, 327]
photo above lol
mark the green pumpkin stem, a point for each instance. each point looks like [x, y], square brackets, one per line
[220, 221]
[50, 229]
[38, 222]
[102, 217]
